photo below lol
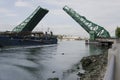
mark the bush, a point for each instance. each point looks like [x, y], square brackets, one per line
[117, 32]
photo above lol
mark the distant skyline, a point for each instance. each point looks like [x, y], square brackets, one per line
[102, 12]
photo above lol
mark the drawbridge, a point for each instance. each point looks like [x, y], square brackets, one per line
[29, 23]
[93, 29]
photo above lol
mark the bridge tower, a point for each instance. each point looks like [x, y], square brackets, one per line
[29, 23]
[93, 29]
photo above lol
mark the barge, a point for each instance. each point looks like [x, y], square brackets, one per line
[34, 38]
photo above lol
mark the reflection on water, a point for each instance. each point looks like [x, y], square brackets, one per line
[43, 62]
[97, 49]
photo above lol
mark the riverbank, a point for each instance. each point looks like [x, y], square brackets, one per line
[94, 66]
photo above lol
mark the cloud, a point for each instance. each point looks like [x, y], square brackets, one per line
[52, 2]
[7, 12]
[57, 12]
[62, 29]
[62, 3]
[3, 10]
[11, 15]
[6, 27]
[20, 3]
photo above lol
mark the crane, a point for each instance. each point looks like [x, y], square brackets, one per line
[94, 30]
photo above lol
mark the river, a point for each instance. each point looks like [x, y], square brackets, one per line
[42, 62]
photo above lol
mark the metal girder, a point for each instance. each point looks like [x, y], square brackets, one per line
[29, 23]
[93, 29]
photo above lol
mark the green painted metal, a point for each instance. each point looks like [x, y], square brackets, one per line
[93, 29]
[29, 24]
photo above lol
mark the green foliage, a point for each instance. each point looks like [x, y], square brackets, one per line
[117, 32]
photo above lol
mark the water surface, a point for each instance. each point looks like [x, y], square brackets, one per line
[43, 62]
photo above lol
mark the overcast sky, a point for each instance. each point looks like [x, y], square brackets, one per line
[105, 13]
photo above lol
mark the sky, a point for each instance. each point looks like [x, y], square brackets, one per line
[105, 13]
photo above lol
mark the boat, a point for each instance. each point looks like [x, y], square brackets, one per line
[23, 35]
[31, 39]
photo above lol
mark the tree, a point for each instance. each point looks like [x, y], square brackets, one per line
[117, 32]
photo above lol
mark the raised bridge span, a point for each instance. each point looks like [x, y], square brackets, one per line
[30, 22]
[97, 33]
[94, 30]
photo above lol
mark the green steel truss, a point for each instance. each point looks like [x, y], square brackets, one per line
[93, 29]
[29, 23]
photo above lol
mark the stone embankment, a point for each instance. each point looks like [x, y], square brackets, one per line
[94, 66]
